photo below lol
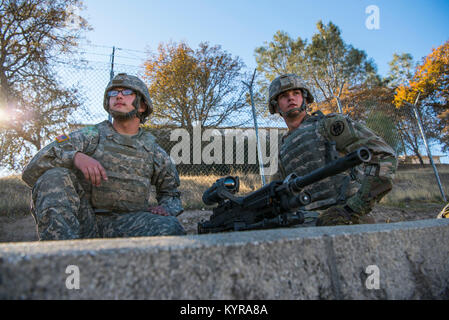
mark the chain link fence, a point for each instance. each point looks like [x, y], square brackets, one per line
[202, 155]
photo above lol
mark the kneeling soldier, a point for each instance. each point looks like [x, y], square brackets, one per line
[314, 140]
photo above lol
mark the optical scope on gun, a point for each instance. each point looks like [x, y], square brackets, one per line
[223, 188]
[273, 205]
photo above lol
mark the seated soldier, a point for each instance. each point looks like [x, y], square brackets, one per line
[95, 182]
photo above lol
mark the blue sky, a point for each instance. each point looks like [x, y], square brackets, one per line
[240, 26]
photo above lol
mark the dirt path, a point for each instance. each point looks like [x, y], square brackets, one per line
[23, 228]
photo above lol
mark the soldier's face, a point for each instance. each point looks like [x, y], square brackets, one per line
[121, 102]
[290, 99]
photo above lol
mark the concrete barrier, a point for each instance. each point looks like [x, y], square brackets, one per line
[406, 260]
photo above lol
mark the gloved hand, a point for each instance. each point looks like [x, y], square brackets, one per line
[338, 215]
[158, 210]
[444, 213]
[372, 190]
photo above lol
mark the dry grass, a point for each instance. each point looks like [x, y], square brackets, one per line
[193, 187]
[15, 197]
[412, 188]
[417, 186]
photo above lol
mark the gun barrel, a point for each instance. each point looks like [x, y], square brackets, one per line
[361, 155]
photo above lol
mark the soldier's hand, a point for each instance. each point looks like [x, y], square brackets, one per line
[92, 169]
[158, 210]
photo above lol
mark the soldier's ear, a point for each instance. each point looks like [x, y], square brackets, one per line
[143, 107]
[275, 105]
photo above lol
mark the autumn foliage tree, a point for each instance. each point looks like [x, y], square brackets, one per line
[431, 82]
[194, 86]
[34, 106]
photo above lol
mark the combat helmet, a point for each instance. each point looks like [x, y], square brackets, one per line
[124, 80]
[284, 83]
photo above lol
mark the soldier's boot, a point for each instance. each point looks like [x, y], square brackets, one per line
[60, 207]
[138, 224]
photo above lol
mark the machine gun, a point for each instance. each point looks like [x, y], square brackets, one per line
[277, 204]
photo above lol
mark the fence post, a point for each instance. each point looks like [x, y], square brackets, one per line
[340, 109]
[259, 152]
[111, 75]
[429, 154]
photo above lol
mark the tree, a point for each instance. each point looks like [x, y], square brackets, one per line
[189, 86]
[334, 65]
[401, 69]
[33, 103]
[328, 65]
[282, 55]
[431, 82]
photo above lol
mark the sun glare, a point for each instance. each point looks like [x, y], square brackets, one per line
[6, 117]
[3, 115]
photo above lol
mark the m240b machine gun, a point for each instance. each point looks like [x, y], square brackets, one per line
[277, 204]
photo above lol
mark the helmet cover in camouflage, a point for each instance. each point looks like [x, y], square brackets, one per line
[284, 83]
[124, 80]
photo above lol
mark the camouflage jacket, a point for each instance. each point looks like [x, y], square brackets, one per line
[132, 164]
[305, 149]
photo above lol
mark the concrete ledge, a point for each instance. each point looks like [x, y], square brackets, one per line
[298, 263]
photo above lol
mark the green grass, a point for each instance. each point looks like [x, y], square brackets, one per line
[416, 187]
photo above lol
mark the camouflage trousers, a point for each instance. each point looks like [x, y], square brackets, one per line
[61, 209]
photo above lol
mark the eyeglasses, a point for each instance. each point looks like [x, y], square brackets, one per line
[125, 92]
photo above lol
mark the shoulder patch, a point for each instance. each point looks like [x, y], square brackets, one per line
[337, 128]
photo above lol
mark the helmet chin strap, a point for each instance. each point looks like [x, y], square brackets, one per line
[128, 115]
[122, 115]
[290, 113]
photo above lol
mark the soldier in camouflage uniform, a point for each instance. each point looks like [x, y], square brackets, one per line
[314, 140]
[95, 182]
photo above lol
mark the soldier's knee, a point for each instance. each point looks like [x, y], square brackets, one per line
[57, 187]
[53, 176]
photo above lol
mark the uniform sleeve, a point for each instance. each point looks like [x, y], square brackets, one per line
[378, 175]
[166, 180]
[60, 153]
